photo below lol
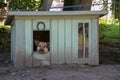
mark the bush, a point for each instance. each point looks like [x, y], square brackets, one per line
[6, 28]
[4, 38]
[109, 32]
[103, 31]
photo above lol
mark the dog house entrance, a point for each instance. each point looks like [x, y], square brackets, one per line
[41, 47]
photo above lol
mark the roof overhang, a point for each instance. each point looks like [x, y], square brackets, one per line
[11, 14]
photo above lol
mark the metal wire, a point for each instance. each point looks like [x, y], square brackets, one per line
[74, 6]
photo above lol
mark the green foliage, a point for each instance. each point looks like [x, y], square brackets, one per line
[4, 38]
[24, 4]
[1, 0]
[103, 30]
[108, 32]
[7, 28]
[116, 9]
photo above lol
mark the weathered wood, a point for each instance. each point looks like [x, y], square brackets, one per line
[94, 54]
[13, 43]
[28, 43]
[68, 41]
[19, 43]
[54, 42]
[61, 41]
[74, 41]
[40, 59]
[57, 13]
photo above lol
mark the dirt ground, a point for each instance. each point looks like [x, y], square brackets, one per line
[64, 72]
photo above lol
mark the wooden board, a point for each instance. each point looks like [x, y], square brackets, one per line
[74, 41]
[19, 43]
[68, 41]
[28, 42]
[61, 41]
[54, 42]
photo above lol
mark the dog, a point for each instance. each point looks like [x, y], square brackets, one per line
[42, 47]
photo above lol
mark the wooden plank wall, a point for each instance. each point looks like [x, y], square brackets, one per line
[94, 40]
[64, 42]
[13, 43]
[61, 41]
[74, 41]
[68, 41]
[54, 41]
[28, 43]
[19, 43]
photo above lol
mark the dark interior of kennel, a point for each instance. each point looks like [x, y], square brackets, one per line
[42, 36]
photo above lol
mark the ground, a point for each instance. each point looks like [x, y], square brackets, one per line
[64, 72]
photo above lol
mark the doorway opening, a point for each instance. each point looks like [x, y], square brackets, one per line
[41, 48]
[41, 41]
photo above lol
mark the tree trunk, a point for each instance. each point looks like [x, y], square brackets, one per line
[45, 5]
[77, 2]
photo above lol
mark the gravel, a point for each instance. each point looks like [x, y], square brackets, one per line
[64, 72]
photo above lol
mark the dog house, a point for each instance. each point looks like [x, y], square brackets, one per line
[72, 37]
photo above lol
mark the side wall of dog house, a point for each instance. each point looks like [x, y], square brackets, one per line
[94, 43]
[13, 43]
[64, 41]
[28, 42]
[19, 41]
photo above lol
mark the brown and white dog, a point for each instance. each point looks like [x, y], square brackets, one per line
[42, 47]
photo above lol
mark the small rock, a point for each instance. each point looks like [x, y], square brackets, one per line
[13, 73]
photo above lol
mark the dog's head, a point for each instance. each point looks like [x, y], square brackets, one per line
[42, 47]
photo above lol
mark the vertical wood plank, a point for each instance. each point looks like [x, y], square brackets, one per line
[54, 42]
[68, 43]
[74, 41]
[90, 41]
[94, 55]
[19, 43]
[28, 42]
[13, 43]
[61, 42]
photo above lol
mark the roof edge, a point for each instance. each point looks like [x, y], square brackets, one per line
[11, 14]
[22, 13]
